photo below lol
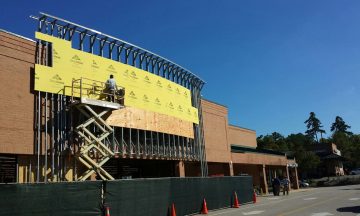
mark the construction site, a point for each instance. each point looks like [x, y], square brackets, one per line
[153, 134]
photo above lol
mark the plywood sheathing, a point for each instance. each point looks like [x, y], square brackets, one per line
[130, 117]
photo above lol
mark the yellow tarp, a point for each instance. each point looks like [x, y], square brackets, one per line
[143, 89]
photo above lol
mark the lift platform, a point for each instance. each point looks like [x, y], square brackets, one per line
[94, 102]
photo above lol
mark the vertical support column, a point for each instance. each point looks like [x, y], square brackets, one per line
[179, 169]
[46, 138]
[264, 181]
[287, 175]
[296, 183]
[38, 137]
[231, 169]
[199, 133]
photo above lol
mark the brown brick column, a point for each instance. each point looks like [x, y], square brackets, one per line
[296, 179]
[264, 181]
[288, 176]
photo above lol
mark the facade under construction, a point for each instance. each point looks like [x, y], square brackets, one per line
[60, 122]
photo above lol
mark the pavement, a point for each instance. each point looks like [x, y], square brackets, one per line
[325, 201]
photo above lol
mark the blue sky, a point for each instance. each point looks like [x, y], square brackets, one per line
[270, 62]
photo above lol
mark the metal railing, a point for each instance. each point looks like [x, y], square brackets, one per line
[94, 89]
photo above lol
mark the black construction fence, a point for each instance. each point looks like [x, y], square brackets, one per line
[124, 197]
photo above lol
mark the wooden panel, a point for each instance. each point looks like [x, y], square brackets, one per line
[145, 120]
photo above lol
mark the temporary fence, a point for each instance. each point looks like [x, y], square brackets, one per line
[124, 197]
[65, 198]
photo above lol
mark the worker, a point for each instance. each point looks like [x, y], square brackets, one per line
[110, 88]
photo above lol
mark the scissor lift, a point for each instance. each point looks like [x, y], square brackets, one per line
[93, 151]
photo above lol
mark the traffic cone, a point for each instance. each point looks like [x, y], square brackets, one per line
[236, 203]
[204, 209]
[107, 211]
[173, 211]
[254, 197]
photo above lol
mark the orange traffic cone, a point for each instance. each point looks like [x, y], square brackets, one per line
[173, 211]
[254, 197]
[236, 203]
[204, 209]
[107, 211]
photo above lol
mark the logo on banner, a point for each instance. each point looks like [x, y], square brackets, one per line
[94, 64]
[159, 84]
[132, 95]
[126, 73]
[186, 94]
[147, 80]
[171, 105]
[76, 59]
[188, 111]
[177, 90]
[157, 102]
[56, 54]
[133, 75]
[111, 69]
[145, 98]
[169, 87]
[180, 109]
[57, 79]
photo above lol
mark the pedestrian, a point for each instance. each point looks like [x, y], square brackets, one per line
[273, 186]
[286, 185]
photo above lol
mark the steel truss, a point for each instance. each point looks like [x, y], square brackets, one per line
[126, 142]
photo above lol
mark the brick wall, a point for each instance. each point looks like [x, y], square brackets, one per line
[215, 118]
[241, 136]
[255, 158]
[16, 98]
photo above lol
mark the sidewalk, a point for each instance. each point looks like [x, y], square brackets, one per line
[270, 194]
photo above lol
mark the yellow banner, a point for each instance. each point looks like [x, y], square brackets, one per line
[143, 90]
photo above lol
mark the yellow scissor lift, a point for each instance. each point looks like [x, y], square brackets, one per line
[91, 99]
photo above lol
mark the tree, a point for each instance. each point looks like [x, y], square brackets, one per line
[308, 161]
[340, 126]
[298, 142]
[314, 126]
[355, 152]
[275, 141]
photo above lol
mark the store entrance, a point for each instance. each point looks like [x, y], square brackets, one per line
[139, 168]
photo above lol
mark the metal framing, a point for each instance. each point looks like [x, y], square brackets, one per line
[58, 120]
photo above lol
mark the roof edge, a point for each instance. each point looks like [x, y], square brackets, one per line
[243, 149]
[242, 127]
[22, 37]
[205, 99]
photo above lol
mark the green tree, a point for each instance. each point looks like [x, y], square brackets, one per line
[340, 126]
[275, 142]
[314, 126]
[355, 150]
[308, 161]
[298, 142]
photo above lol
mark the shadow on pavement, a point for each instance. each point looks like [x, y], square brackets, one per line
[350, 189]
[353, 209]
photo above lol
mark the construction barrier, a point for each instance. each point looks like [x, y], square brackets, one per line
[67, 198]
[154, 196]
[124, 197]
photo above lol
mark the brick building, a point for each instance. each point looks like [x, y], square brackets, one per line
[29, 154]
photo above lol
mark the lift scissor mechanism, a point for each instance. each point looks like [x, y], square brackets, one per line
[94, 152]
